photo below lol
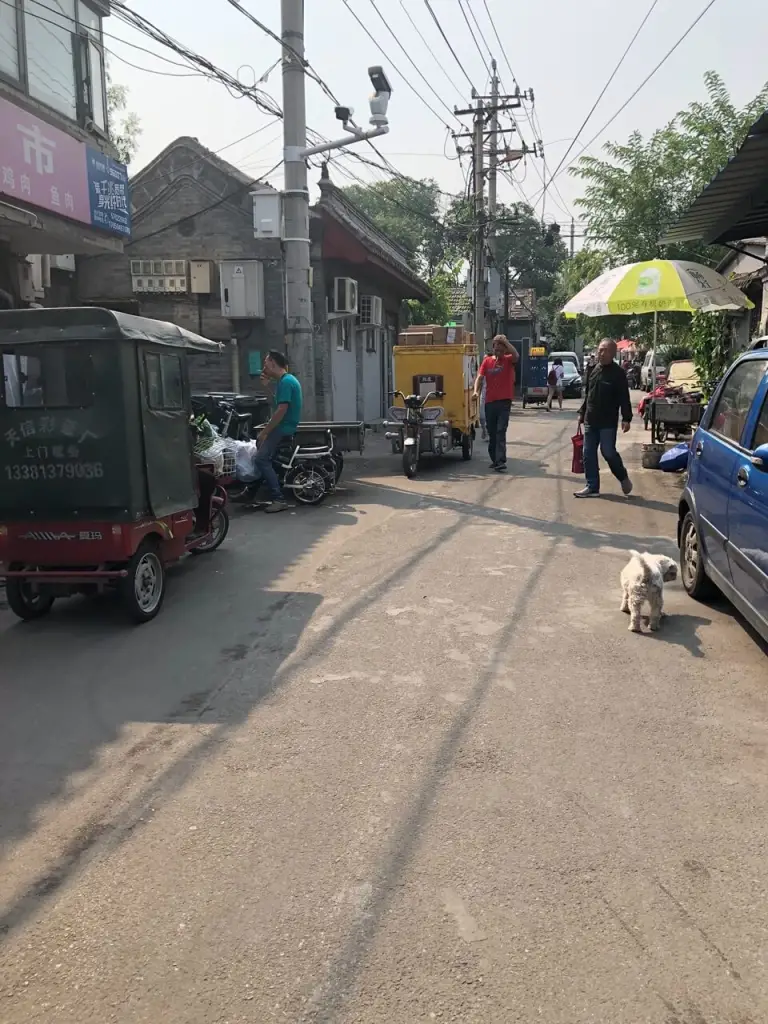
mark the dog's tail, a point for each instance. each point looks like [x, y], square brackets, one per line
[647, 569]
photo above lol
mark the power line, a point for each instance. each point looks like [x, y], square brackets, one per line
[477, 24]
[448, 44]
[474, 38]
[418, 31]
[605, 88]
[501, 45]
[410, 59]
[378, 45]
[642, 85]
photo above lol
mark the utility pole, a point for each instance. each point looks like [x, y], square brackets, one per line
[493, 163]
[478, 263]
[298, 296]
[484, 108]
[573, 237]
[299, 321]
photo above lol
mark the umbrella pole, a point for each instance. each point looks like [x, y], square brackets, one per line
[655, 343]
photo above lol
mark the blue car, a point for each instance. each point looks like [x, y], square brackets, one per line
[723, 513]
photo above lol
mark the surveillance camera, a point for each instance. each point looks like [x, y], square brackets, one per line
[380, 99]
[344, 113]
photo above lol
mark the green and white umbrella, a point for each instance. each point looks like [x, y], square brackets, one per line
[657, 286]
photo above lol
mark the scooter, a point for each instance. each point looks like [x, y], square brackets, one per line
[311, 473]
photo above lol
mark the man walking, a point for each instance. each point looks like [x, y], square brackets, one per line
[498, 373]
[284, 422]
[606, 395]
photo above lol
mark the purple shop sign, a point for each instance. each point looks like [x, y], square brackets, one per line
[42, 165]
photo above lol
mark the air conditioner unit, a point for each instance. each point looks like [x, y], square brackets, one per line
[63, 261]
[344, 295]
[371, 310]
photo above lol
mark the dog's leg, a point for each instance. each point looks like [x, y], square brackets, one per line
[624, 598]
[635, 616]
[656, 602]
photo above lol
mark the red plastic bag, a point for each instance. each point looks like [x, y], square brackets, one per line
[577, 462]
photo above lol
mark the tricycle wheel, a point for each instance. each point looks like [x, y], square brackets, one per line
[143, 589]
[661, 433]
[219, 530]
[410, 461]
[467, 446]
[26, 600]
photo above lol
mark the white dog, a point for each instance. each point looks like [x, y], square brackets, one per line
[643, 579]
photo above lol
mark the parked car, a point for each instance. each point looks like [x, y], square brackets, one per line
[572, 382]
[723, 512]
[646, 371]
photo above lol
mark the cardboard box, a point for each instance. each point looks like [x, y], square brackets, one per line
[456, 336]
[415, 338]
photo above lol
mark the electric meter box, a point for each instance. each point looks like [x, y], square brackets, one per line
[242, 289]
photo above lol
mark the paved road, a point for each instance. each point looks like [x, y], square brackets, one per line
[394, 759]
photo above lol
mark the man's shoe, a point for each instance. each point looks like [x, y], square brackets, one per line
[500, 467]
[626, 486]
[586, 492]
[276, 506]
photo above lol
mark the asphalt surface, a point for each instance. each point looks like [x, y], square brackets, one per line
[394, 759]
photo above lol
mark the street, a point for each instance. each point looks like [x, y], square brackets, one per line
[394, 759]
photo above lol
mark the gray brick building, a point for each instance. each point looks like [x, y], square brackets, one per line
[191, 207]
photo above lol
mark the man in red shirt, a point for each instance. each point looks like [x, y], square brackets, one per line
[498, 371]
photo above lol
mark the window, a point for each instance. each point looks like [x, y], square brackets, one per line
[761, 430]
[55, 377]
[164, 380]
[730, 414]
[64, 56]
[9, 41]
[49, 29]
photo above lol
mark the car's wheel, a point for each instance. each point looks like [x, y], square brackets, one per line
[143, 589]
[692, 571]
[219, 530]
[25, 599]
[467, 446]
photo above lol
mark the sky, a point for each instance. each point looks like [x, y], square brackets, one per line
[563, 50]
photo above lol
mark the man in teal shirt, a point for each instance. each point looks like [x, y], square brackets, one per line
[284, 422]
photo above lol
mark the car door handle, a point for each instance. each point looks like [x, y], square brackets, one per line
[698, 449]
[742, 477]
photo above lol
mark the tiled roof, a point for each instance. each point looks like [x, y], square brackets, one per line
[522, 304]
[460, 302]
[337, 205]
[189, 143]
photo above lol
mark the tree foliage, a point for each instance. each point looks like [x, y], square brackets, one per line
[639, 189]
[124, 125]
[710, 342]
[636, 191]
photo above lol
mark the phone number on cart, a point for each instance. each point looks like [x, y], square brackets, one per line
[55, 471]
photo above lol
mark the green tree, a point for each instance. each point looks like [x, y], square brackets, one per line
[639, 189]
[533, 255]
[408, 211]
[124, 125]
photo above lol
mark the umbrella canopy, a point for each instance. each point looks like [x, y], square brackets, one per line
[657, 286]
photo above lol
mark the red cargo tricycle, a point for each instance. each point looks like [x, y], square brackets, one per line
[98, 488]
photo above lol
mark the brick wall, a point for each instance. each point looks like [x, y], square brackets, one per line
[168, 223]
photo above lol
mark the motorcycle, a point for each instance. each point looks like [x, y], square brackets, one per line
[311, 473]
[417, 427]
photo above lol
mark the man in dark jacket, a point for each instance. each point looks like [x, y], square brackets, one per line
[606, 395]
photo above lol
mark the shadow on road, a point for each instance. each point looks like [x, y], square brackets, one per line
[72, 683]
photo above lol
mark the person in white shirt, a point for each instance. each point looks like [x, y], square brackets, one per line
[555, 383]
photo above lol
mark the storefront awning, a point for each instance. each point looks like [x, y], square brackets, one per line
[734, 206]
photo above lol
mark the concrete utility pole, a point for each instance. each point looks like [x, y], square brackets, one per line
[298, 295]
[478, 263]
[299, 321]
[493, 161]
[573, 237]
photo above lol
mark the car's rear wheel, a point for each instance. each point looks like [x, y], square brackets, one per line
[692, 572]
[26, 600]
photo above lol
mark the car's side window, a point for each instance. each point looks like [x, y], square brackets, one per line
[730, 414]
[761, 430]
